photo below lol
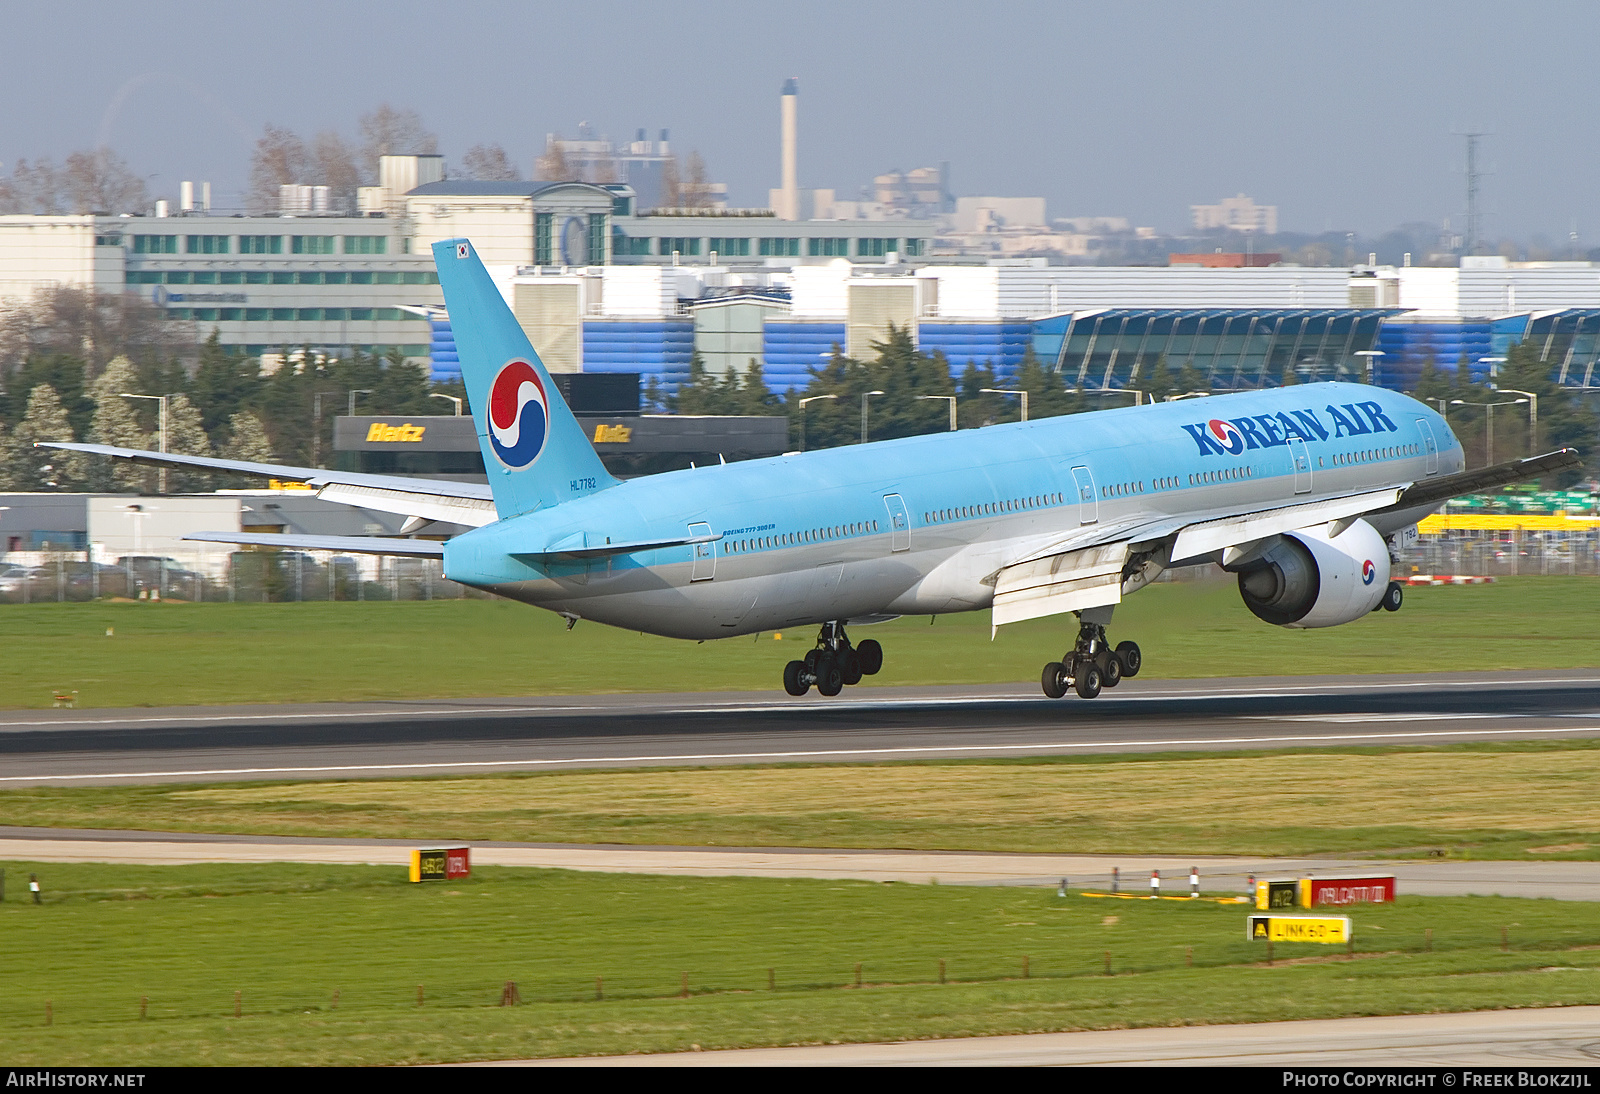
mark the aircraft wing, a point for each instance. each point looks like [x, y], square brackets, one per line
[420, 500]
[363, 545]
[1433, 491]
[1097, 565]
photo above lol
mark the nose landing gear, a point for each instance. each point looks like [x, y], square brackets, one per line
[1091, 665]
[834, 664]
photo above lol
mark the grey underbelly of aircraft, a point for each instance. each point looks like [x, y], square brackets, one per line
[666, 600]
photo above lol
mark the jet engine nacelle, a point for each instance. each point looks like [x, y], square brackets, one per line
[1311, 579]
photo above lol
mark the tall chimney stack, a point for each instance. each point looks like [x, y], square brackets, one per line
[789, 197]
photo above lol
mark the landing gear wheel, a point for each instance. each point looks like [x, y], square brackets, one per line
[1086, 680]
[850, 666]
[830, 677]
[1111, 672]
[1393, 597]
[812, 657]
[871, 655]
[794, 681]
[1128, 653]
[1054, 680]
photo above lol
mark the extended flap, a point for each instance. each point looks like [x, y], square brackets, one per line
[1066, 582]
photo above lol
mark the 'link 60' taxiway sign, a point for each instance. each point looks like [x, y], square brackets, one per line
[1299, 928]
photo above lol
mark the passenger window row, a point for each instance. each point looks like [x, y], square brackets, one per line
[811, 535]
[1121, 489]
[1367, 455]
[992, 508]
[1224, 474]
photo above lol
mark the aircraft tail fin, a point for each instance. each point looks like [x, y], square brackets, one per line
[535, 452]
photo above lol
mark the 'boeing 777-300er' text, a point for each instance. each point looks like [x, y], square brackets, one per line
[1304, 492]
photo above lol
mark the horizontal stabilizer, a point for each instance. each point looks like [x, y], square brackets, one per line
[581, 546]
[315, 476]
[1432, 491]
[357, 545]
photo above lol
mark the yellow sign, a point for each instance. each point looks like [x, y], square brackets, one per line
[612, 434]
[1272, 894]
[377, 431]
[1299, 928]
[1505, 522]
[279, 484]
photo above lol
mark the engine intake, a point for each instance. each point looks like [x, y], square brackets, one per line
[1311, 579]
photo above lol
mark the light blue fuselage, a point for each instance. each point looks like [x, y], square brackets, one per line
[810, 537]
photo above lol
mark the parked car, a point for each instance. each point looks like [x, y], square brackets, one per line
[149, 573]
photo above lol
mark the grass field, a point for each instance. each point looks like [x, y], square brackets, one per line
[286, 938]
[1481, 801]
[142, 654]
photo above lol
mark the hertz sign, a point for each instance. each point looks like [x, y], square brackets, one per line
[440, 864]
[1298, 928]
[406, 433]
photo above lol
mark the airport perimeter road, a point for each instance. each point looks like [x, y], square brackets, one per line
[97, 747]
[1555, 1037]
[1218, 874]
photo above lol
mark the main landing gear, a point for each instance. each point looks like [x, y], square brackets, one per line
[1091, 664]
[833, 664]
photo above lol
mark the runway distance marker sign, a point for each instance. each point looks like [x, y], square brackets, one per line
[440, 864]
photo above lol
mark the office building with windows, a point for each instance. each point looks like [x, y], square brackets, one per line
[266, 284]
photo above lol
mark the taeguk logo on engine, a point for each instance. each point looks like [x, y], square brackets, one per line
[519, 415]
[1368, 572]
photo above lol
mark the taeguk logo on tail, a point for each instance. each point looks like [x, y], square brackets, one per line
[1368, 572]
[519, 415]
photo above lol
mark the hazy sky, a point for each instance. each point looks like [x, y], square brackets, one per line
[1340, 113]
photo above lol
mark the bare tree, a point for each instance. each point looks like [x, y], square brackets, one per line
[335, 164]
[99, 181]
[390, 132]
[671, 183]
[93, 326]
[696, 191]
[488, 163]
[280, 158]
[32, 188]
[553, 165]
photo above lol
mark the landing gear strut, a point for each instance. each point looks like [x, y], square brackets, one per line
[834, 664]
[1091, 664]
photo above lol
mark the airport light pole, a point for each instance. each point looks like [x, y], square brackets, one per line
[803, 402]
[1488, 417]
[161, 487]
[1368, 356]
[1010, 391]
[316, 425]
[866, 397]
[951, 399]
[1533, 417]
[353, 393]
[456, 399]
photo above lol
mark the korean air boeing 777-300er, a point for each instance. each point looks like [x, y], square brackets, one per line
[1305, 493]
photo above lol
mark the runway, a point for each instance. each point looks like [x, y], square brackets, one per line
[100, 747]
[1559, 1038]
